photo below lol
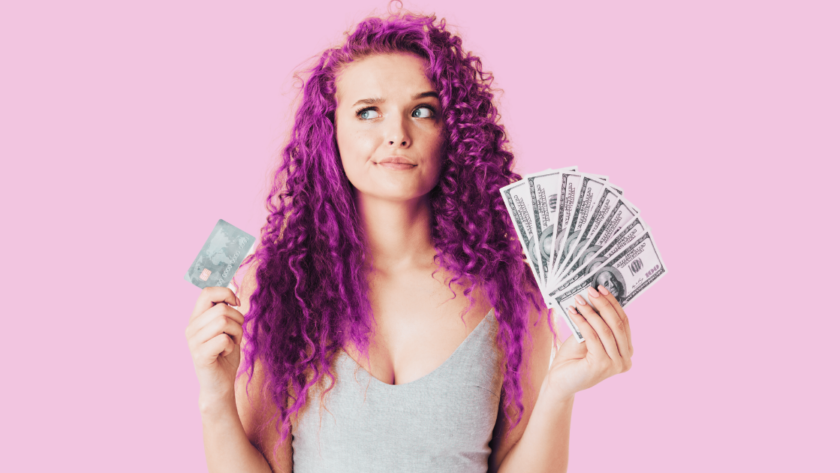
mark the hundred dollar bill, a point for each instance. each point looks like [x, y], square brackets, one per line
[596, 255]
[610, 214]
[626, 275]
[588, 197]
[567, 187]
[620, 216]
[544, 201]
[517, 199]
[567, 192]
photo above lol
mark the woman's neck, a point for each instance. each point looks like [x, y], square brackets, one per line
[398, 234]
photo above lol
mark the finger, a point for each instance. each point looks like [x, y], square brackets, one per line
[601, 327]
[620, 311]
[215, 327]
[590, 337]
[613, 320]
[218, 310]
[211, 296]
[570, 348]
[220, 345]
[616, 305]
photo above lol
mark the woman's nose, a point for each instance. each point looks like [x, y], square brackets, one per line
[397, 134]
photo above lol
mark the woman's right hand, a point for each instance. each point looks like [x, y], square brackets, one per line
[214, 335]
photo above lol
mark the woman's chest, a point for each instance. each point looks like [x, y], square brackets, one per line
[417, 327]
[442, 422]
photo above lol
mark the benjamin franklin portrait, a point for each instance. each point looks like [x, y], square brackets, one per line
[611, 278]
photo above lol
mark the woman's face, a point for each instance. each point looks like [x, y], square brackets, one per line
[388, 126]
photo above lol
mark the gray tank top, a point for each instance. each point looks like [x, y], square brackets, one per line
[439, 423]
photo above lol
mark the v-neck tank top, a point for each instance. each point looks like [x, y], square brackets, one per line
[441, 422]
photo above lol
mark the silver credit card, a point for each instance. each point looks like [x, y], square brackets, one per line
[220, 257]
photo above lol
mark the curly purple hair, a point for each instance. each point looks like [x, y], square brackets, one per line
[311, 294]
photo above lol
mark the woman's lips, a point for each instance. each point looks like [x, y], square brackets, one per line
[396, 162]
[397, 165]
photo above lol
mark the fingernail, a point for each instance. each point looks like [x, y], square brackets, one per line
[580, 300]
[238, 302]
[593, 292]
[572, 310]
[603, 290]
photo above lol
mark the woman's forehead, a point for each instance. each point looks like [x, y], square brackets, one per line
[393, 76]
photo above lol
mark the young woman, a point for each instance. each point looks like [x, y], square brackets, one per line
[390, 321]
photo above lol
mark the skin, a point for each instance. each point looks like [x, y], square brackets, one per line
[417, 320]
[387, 107]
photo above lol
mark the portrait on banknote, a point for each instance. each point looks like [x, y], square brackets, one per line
[611, 278]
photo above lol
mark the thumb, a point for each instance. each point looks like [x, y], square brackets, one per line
[570, 348]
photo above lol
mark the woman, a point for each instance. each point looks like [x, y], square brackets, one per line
[391, 323]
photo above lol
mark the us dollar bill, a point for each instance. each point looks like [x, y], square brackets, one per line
[517, 200]
[626, 275]
[567, 194]
[544, 201]
[596, 255]
[591, 189]
[609, 216]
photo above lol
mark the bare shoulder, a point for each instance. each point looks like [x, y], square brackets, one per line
[536, 358]
[253, 401]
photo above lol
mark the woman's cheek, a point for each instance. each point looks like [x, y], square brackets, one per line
[356, 174]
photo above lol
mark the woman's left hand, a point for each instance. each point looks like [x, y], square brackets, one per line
[605, 351]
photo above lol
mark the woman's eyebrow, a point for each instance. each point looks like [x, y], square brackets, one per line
[426, 94]
[414, 97]
[369, 101]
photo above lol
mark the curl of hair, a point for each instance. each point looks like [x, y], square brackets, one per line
[311, 295]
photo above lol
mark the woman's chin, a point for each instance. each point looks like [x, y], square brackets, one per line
[393, 195]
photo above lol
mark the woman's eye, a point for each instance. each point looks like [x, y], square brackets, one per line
[422, 112]
[368, 114]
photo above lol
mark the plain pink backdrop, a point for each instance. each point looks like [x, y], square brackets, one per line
[128, 130]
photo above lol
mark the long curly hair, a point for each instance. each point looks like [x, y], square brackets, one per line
[311, 287]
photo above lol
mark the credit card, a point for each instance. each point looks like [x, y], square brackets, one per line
[220, 257]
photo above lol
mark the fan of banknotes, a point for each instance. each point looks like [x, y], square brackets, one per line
[579, 231]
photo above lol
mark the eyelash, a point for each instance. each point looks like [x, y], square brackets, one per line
[432, 109]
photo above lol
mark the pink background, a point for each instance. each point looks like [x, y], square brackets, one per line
[127, 131]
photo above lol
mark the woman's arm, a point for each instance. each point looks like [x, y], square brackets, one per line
[606, 351]
[226, 446]
[544, 445]
[547, 422]
[232, 425]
